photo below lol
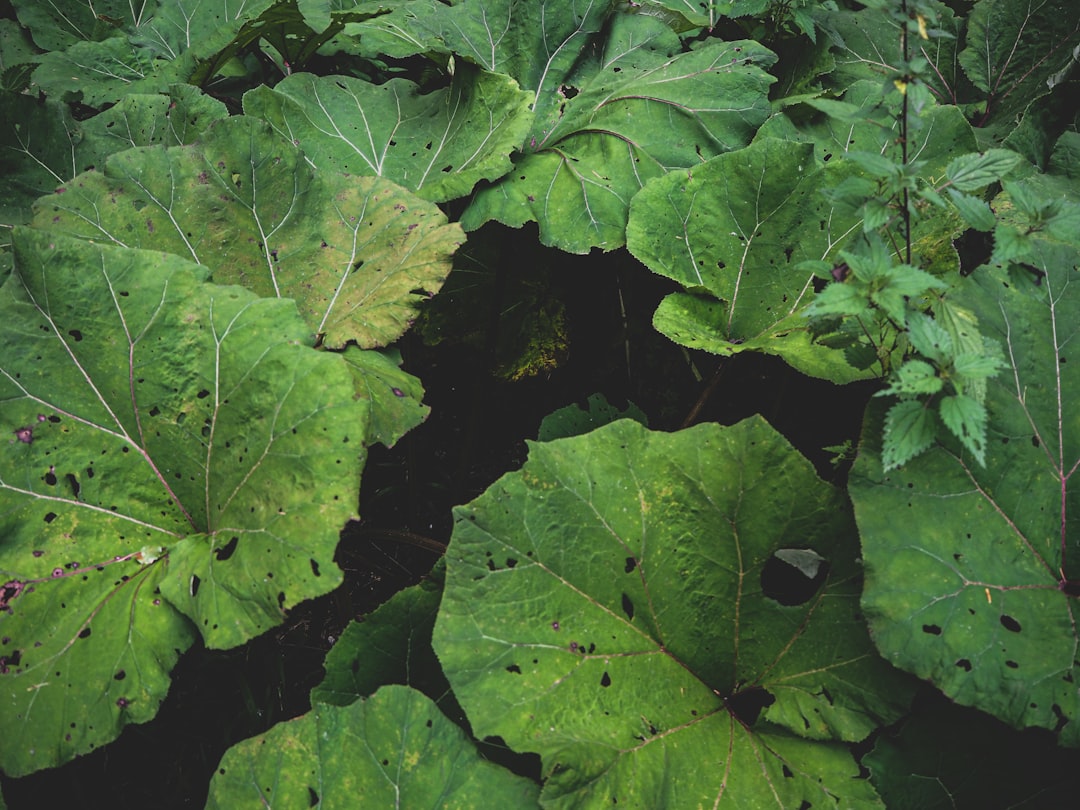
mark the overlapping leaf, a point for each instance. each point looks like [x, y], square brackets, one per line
[42, 146]
[616, 607]
[178, 462]
[391, 645]
[356, 254]
[394, 749]
[440, 144]
[1016, 51]
[631, 112]
[742, 222]
[394, 396]
[866, 45]
[971, 571]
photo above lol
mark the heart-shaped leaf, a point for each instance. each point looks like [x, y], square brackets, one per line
[740, 223]
[438, 144]
[394, 749]
[178, 462]
[619, 607]
[972, 571]
[634, 111]
[356, 253]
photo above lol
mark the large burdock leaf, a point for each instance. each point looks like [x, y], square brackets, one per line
[439, 145]
[737, 227]
[178, 461]
[394, 749]
[633, 111]
[627, 603]
[972, 571]
[43, 147]
[1014, 51]
[356, 253]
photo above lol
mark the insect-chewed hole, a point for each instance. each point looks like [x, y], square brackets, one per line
[792, 576]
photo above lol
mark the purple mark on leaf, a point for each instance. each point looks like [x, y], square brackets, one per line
[24, 434]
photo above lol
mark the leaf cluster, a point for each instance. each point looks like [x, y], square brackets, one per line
[221, 221]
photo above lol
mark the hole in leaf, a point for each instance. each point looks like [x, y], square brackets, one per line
[226, 551]
[628, 607]
[119, 676]
[1009, 623]
[792, 576]
[746, 705]
[193, 588]
[514, 668]
[605, 681]
[313, 797]
[1062, 720]
[85, 632]
[964, 664]
[932, 629]
[631, 564]
[314, 567]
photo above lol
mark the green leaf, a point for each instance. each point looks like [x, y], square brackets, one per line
[976, 212]
[691, 320]
[909, 430]
[102, 73]
[395, 749]
[43, 147]
[929, 338]
[357, 254]
[438, 144]
[866, 45]
[975, 172]
[394, 396]
[737, 227]
[1013, 48]
[634, 111]
[971, 570]
[978, 366]
[573, 420]
[391, 645]
[914, 378]
[614, 607]
[966, 418]
[179, 463]
[949, 756]
[57, 25]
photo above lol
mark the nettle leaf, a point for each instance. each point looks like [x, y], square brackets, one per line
[439, 144]
[975, 172]
[1015, 51]
[636, 111]
[179, 462]
[972, 571]
[357, 254]
[910, 428]
[620, 607]
[379, 752]
[739, 226]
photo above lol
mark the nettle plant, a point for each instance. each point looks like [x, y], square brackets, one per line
[223, 218]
